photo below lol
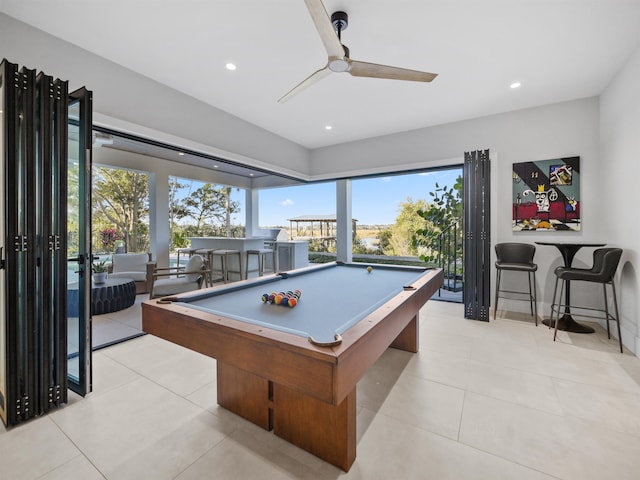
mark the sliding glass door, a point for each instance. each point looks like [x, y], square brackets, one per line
[78, 242]
[477, 240]
[36, 153]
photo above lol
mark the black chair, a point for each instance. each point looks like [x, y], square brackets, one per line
[517, 257]
[605, 264]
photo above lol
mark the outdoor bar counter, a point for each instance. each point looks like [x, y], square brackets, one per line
[224, 243]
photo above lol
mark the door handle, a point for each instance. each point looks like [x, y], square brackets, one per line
[79, 259]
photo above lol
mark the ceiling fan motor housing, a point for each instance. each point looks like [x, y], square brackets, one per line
[340, 21]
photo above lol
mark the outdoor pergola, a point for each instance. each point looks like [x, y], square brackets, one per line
[317, 227]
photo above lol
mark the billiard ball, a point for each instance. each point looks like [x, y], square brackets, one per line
[285, 301]
[369, 269]
[293, 302]
[265, 297]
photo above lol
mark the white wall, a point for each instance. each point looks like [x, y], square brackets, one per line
[122, 94]
[552, 131]
[618, 186]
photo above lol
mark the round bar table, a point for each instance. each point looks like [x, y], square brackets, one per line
[566, 322]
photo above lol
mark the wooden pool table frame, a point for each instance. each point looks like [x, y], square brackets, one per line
[305, 393]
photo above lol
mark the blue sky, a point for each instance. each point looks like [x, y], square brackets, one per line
[375, 200]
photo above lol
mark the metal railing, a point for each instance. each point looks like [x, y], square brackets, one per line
[450, 257]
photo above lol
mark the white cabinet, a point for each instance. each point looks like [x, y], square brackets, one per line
[292, 254]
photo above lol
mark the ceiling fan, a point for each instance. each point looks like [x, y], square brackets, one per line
[330, 30]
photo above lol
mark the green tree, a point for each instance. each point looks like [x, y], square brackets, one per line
[176, 211]
[384, 238]
[229, 208]
[73, 210]
[121, 199]
[444, 211]
[403, 230]
[208, 205]
[359, 247]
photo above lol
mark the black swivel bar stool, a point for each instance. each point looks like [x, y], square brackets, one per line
[605, 264]
[517, 257]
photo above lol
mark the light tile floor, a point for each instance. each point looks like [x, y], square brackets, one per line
[113, 327]
[496, 400]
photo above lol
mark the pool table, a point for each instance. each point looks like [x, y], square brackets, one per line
[294, 370]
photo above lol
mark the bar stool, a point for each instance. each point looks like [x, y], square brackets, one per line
[187, 252]
[225, 255]
[261, 255]
[517, 257]
[207, 254]
[605, 264]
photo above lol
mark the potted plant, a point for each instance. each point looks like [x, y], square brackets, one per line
[99, 270]
[120, 248]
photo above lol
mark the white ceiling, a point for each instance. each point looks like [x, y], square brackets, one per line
[559, 49]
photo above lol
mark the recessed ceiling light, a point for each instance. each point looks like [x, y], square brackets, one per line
[328, 127]
[515, 85]
[251, 174]
[181, 153]
[231, 66]
[215, 166]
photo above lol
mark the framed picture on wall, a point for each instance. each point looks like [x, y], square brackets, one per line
[546, 195]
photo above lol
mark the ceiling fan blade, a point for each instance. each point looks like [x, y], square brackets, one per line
[364, 69]
[323, 24]
[307, 82]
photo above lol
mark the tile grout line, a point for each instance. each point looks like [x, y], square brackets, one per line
[81, 452]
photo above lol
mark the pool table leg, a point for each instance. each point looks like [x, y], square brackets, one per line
[244, 394]
[328, 431]
[407, 339]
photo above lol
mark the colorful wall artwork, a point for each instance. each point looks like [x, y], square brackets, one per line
[546, 195]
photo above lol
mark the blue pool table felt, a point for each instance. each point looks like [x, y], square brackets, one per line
[333, 299]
